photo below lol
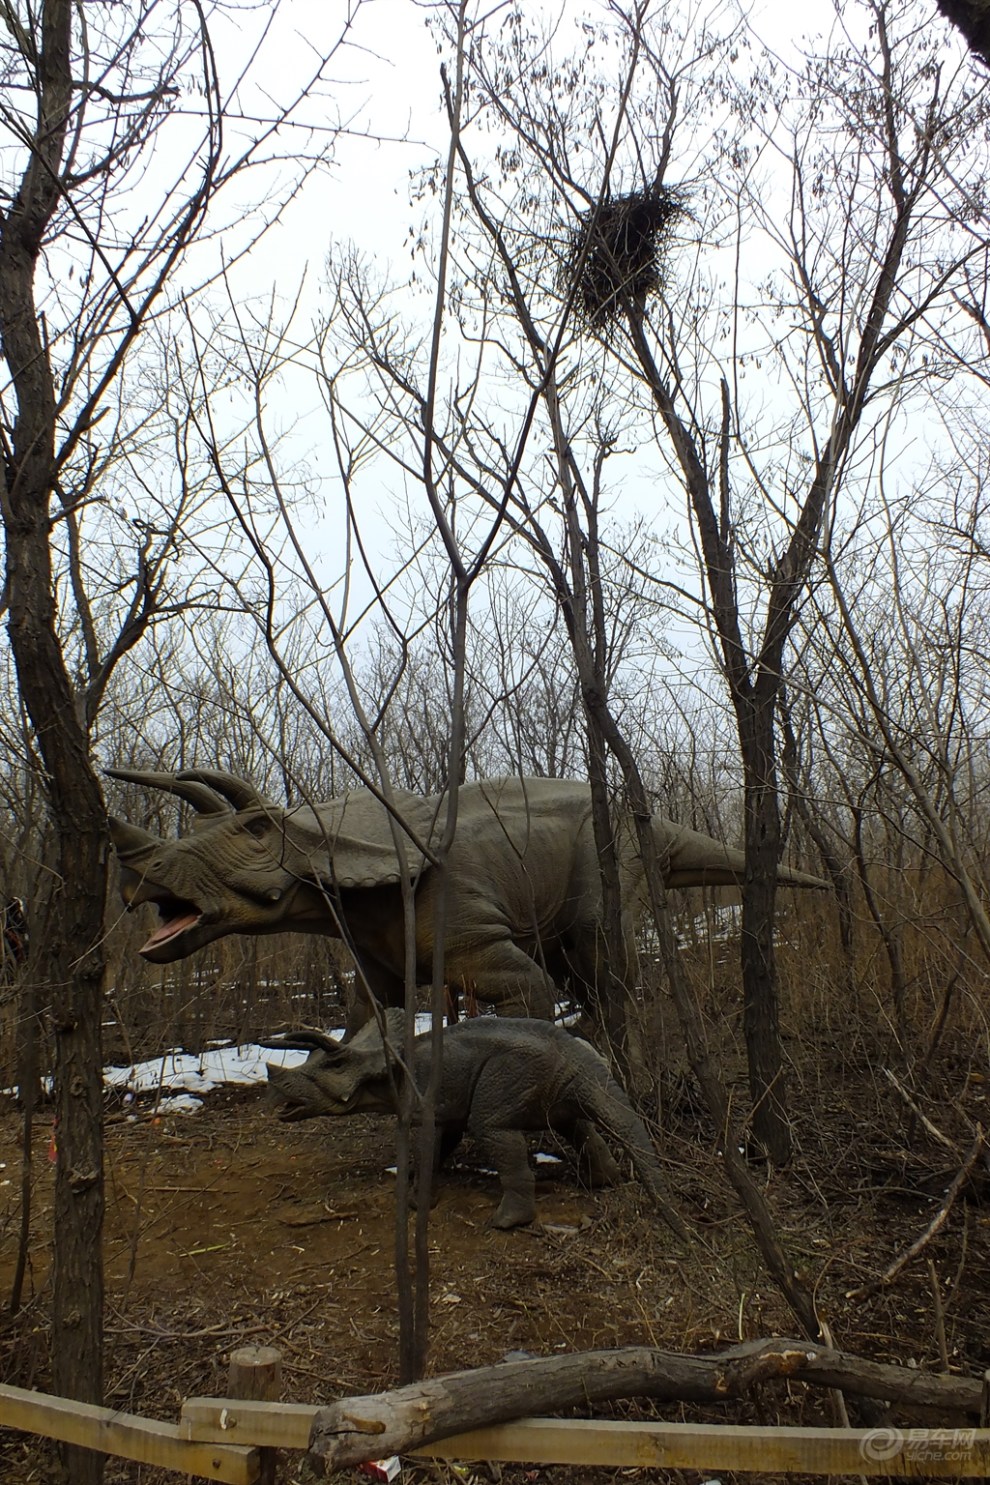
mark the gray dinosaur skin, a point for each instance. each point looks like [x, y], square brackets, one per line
[524, 891]
[500, 1080]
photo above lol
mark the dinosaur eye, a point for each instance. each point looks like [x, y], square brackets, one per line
[256, 827]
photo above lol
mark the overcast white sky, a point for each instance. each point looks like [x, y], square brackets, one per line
[387, 89]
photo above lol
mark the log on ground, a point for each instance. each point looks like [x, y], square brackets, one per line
[355, 1429]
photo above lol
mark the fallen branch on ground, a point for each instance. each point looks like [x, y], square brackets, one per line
[349, 1431]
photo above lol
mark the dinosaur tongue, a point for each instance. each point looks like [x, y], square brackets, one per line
[169, 930]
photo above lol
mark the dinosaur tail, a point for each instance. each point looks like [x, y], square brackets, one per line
[696, 860]
[617, 1117]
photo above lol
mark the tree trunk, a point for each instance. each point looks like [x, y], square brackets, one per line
[71, 975]
[761, 1000]
[613, 1008]
[72, 962]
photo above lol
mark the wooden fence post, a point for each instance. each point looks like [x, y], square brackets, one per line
[255, 1375]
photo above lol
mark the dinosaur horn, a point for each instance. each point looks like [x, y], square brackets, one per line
[304, 1040]
[195, 793]
[129, 839]
[240, 793]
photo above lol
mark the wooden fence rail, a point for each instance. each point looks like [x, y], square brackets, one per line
[146, 1440]
[948, 1452]
[203, 1443]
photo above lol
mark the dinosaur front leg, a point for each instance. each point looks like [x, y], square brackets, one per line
[447, 1139]
[509, 1155]
[372, 982]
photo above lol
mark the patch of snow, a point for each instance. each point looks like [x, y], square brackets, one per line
[182, 1103]
[185, 1073]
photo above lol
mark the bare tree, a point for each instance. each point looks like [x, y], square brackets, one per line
[92, 232]
[831, 215]
[845, 310]
[892, 659]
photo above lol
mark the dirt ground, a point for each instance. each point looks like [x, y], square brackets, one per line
[227, 1228]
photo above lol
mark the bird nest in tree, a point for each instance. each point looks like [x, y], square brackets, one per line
[617, 252]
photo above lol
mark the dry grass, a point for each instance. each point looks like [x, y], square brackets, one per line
[228, 1228]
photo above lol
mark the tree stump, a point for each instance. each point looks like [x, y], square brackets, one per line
[255, 1375]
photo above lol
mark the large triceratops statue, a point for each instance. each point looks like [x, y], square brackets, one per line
[524, 911]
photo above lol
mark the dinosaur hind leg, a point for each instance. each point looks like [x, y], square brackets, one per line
[595, 1162]
[507, 978]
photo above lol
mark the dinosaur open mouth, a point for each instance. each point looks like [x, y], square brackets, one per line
[287, 1107]
[287, 1110]
[177, 915]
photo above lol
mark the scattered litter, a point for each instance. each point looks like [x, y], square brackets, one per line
[382, 1469]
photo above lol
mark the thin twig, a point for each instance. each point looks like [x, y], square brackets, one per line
[960, 1266]
[933, 1130]
[937, 1222]
[943, 1349]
